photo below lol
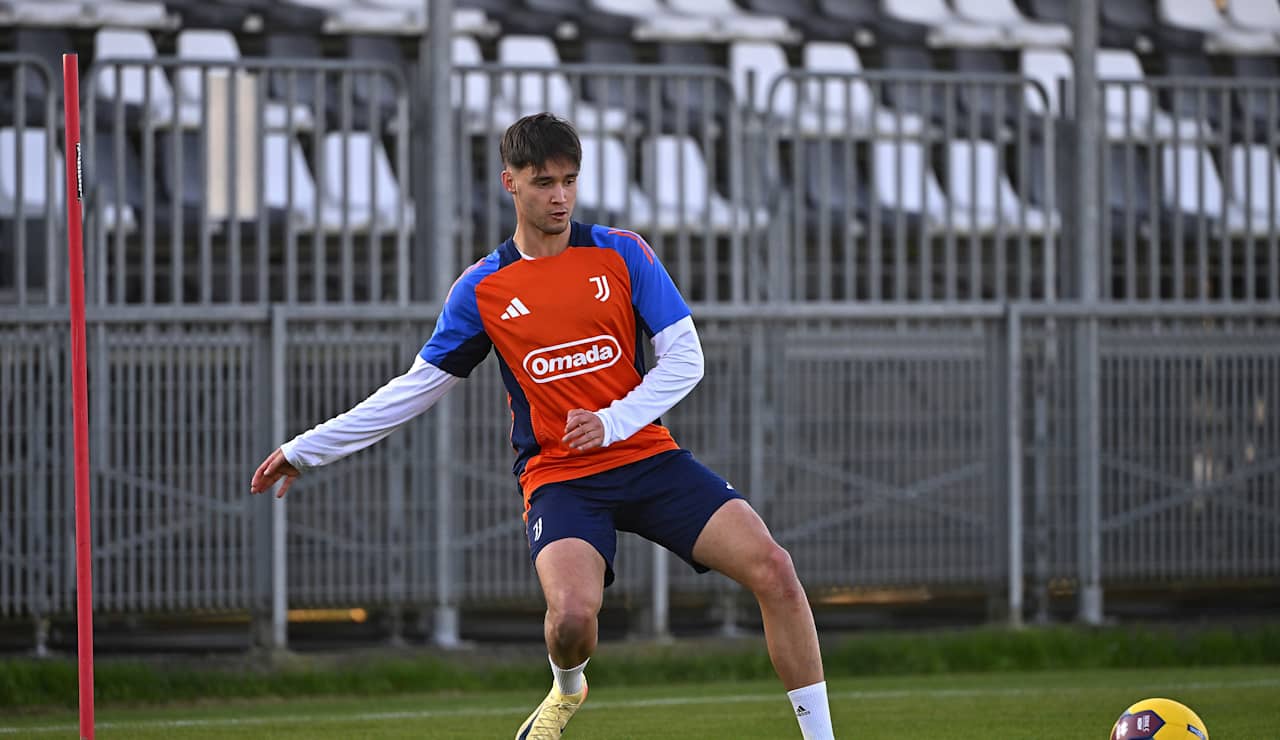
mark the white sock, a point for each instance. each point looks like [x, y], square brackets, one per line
[812, 711]
[568, 679]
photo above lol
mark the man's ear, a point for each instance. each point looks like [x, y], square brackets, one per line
[508, 181]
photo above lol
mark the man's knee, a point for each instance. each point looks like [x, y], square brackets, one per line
[774, 576]
[571, 620]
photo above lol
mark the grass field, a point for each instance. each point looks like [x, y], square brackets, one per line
[1236, 704]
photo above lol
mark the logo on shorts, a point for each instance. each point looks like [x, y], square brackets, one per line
[572, 358]
[537, 530]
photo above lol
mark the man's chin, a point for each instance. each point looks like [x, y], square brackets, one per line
[553, 227]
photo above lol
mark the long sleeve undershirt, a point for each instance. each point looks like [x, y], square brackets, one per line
[678, 369]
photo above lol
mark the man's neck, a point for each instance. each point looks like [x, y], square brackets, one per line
[537, 244]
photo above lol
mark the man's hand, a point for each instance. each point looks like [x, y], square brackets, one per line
[583, 430]
[271, 470]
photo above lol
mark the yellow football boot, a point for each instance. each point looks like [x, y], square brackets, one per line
[555, 711]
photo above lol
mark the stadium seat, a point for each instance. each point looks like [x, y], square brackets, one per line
[51, 13]
[1221, 36]
[685, 198]
[145, 91]
[35, 174]
[979, 187]
[1192, 187]
[133, 14]
[220, 46]
[1255, 188]
[342, 16]
[283, 159]
[547, 89]
[732, 23]
[607, 192]
[904, 183]
[514, 17]
[205, 15]
[946, 28]
[655, 21]
[298, 89]
[1018, 30]
[1130, 112]
[473, 21]
[805, 17]
[349, 185]
[1258, 15]
[472, 90]
[871, 24]
[824, 110]
[761, 63]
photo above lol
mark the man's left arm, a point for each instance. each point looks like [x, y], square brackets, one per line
[678, 369]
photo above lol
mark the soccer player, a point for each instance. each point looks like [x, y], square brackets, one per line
[567, 307]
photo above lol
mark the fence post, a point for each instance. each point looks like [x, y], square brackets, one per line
[1014, 420]
[279, 639]
[446, 629]
[1087, 236]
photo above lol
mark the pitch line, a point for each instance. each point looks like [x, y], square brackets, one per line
[608, 704]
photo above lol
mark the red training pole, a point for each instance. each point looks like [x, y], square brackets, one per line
[79, 391]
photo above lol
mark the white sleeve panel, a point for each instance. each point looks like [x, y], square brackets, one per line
[389, 408]
[678, 369]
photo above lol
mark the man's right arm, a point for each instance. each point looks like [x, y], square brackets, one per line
[389, 408]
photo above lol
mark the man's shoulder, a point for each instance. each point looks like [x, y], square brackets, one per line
[624, 241]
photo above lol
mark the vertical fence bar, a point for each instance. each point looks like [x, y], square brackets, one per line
[1014, 421]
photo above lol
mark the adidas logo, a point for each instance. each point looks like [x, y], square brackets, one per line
[801, 711]
[515, 309]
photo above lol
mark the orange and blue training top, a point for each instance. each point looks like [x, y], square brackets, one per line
[569, 332]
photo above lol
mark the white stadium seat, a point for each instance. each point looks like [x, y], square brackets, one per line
[1192, 185]
[125, 43]
[657, 22]
[823, 108]
[685, 199]
[1222, 36]
[946, 28]
[548, 89]
[1255, 187]
[902, 182]
[347, 166]
[605, 184]
[35, 174]
[221, 46]
[983, 192]
[1018, 29]
[732, 23]
[764, 62]
[283, 159]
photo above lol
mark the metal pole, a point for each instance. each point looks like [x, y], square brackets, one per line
[279, 421]
[434, 231]
[1014, 401]
[1087, 114]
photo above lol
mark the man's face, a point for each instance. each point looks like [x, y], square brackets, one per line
[544, 197]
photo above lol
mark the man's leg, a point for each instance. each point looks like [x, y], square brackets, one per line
[571, 572]
[736, 542]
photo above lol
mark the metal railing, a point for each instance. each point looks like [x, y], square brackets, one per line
[891, 375]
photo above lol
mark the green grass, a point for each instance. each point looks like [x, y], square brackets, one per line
[26, 684]
[1241, 703]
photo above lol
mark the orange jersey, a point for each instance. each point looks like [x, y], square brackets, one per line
[569, 332]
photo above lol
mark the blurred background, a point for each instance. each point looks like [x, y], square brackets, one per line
[989, 305]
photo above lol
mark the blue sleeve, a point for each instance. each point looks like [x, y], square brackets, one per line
[655, 296]
[459, 341]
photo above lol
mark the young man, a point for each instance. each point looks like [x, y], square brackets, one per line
[566, 306]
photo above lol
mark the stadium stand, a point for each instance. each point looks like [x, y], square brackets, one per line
[1018, 30]
[946, 27]
[1221, 34]
[546, 88]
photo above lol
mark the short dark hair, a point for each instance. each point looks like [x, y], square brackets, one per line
[539, 138]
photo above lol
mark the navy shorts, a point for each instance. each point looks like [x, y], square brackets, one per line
[667, 498]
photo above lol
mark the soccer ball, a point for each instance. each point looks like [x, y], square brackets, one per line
[1159, 719]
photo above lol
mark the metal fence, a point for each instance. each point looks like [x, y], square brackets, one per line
[882, 274]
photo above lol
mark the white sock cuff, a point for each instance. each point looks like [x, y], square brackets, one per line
[807, 691]
[568, 679]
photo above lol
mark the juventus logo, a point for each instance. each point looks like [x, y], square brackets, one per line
[602, 287]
